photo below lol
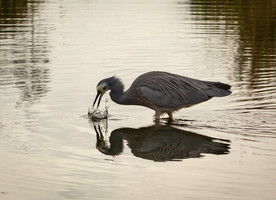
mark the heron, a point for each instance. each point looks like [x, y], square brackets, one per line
[163, 92]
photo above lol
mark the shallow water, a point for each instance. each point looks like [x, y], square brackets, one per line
[52, 55]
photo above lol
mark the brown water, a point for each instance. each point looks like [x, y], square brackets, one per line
[52, 55]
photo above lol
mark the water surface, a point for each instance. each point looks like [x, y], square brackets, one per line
[52, 55]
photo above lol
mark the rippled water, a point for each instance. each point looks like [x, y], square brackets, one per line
[52, 55]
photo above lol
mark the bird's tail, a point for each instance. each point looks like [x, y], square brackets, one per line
[217, 89]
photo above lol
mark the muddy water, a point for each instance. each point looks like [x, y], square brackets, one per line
[52, 55]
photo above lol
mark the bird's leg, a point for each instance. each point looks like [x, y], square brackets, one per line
[170, 116]
[157, 116]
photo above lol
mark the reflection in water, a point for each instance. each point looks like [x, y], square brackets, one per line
[254, 23]
[160, 143]
[23, 44]
[115, 140]
[48, 144]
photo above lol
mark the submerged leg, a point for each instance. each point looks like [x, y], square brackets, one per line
[170, 116]
[157, 116]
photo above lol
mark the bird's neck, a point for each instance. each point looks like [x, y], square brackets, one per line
[117, 96]
[117, 93]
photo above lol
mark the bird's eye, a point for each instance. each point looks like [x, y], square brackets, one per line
[104, 87]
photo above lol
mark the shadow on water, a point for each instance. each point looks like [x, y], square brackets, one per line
[158, 142]
[24, 49]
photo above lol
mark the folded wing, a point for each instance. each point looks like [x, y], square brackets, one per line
[171, 90]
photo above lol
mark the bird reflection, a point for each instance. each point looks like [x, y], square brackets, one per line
[115, 140]
[160, 143]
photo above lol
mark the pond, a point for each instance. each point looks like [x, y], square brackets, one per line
[54, 53]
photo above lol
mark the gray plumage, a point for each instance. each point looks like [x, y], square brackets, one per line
[162, 91]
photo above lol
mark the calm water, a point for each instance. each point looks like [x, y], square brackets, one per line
[52, 55]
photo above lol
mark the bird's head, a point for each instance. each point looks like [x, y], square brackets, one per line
[112, 83]
[102, 87]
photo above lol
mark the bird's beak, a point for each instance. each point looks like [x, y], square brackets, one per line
[99, 94]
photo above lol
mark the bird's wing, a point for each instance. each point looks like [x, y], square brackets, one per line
[170, 90]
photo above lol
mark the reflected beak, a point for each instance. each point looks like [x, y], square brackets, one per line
[99, 94]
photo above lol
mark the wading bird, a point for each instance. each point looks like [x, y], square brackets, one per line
[161, 91]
